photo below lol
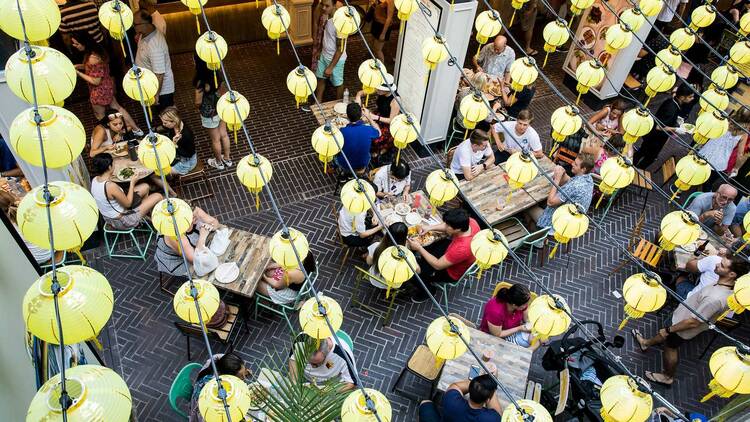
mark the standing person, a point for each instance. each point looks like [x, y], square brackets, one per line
[709, 302]
[716, 209]
[473, 156]
[495, 59]
[446, 260]
[186, 158]
[528, 20]
[206, 97]
[95, 71]
[665, 17]
[153, 54]
[578, 189]
[332, 58]
[156, 17]
[321, 14]
[381, 26]
[80, 15]
[358, 137]
[518, 136]
[482, 405]
[667, 113]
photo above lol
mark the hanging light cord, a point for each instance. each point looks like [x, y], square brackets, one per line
[221, 392]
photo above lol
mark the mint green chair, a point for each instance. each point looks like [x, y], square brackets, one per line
[182, 387]
[344, 337]
[144, 227]
[473, 269]
[690, 199]
[265, 302]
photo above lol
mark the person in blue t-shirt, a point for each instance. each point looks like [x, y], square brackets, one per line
[482, 405]
[358, 136]
[8, 165]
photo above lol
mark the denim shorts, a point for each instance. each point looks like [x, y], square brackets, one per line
[210, 122]
[184, 165]
[337, 76]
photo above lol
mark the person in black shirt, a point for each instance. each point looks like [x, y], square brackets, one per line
[667, 114]
[186, 158]
[521, 100]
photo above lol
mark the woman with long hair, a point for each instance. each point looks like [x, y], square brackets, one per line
[207, 94]
[110, 130]
[400, 232]
[186, 158]
[606, 122]
[226, 364]
[281, 286]
[95, 72]
[505, 315]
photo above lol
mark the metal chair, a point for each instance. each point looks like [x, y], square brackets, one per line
[456, 128]
[423, 365]
[364, 275]
[196, 175]
[445, 286]
[347, 249]
[265, 302]
[143, 227]
[690, 199]
[344, 337]
[224, 334]
[182, 387]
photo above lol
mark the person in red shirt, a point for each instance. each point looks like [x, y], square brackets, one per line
[505, 315]
[446, 260]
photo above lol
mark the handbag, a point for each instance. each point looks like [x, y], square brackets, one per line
[204, 261]
[220, 242]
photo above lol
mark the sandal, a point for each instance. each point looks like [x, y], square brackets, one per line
[651, 376]
[635, 333]
[531, 52]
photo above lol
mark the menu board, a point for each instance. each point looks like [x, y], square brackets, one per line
[411, 71]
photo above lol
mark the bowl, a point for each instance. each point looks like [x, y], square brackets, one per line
[412, 219]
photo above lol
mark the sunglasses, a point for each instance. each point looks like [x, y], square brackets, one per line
[114, 116]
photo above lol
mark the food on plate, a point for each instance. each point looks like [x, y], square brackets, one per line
[402, 209]
[688, 128]
[588, 37]
[426, 239]
[595, 15]
[126, 173]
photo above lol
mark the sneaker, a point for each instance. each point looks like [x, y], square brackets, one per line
[228, 163]
[215, 164]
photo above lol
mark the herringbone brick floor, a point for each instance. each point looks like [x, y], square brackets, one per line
[144, 346]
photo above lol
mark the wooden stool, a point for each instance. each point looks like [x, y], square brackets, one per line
[423, 365]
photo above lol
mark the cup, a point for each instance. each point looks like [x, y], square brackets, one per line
[487, 355]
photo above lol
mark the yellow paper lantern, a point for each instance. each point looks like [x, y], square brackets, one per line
[678, 228]
[254, 172]
[149, 85]
[618, 37]
[710, 126]
[346, 20]
[85, 302]
[357, 409]
[633, 17]
[650, 8]
[691, 171]
[547, 319]
[327, 142]
[41, 17]
[669, 56]
[474, 110]
[211, 48]
[588, 74]
[636, 122]
[682, 39]
[161, 217]
[405, 8]
[370, 73]
[523, 72]
[642, 294]
[714, 98]
[441, 186]
[357, 196]
[313, 313]
[488, 24]
[744, 25]
[283, 246]
[489, 248]
[568, 223]
[395, 265]
[153, 146]
[405, 130]
[63, 136]
[565, 121]
[739, 54]
[615, 174]
[516, 5]
[739, 300]
[238, 399]
[702, 16]
[233, 108]
[72, 210]
[730, 369]
[434, 51]
[578, 6]
[746, 238]
[96, 392]
[623, 401]
[206, 296]
[530, 408]
[520, 170]
[54, 75]
[555, 35]
[725, 76]
[301, 82]
[659, 79]
[196, 7]
[443, 338]
[276, 20]
[116, 17]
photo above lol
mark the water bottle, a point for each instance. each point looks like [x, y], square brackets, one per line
[346, 96]
[133, 149]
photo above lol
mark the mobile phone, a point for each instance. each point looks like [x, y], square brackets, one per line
[473, 372]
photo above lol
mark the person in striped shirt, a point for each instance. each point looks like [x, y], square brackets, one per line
[80, 15]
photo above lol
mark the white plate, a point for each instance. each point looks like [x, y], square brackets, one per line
[412, 219]
[339, 108]
[227, 272]
[393, 218]
[402, 209]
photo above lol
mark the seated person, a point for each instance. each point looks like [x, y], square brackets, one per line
[186, 158]
[739, 215]
[354, 231]
[606, 122]
[602, 151]
[716, 209]
[399, 231]
[472, 156]
[386, 109]
[122, 211]
[495, 59]
[514, 103]
[226, 364]
[482, 405]
[8, 165]
[578, 189]
[325, 363]
[42, 256]
[445, 260]
[478, 81]
[505, 315]
[518, 135]
[169, 255]
[393, 180]
[708, 270]
[281, 288]
[110, 130]
[358, 137]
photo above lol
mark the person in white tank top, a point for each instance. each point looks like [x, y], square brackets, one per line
[109, 131]
[606, 122]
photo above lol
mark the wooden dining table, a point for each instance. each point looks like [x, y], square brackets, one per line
[119, 163]
[683, 254]
[512, 362]
[490, 188]
[251, 252]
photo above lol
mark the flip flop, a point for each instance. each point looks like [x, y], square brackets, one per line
[532, 52]
[650, 376]
[635, 333]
